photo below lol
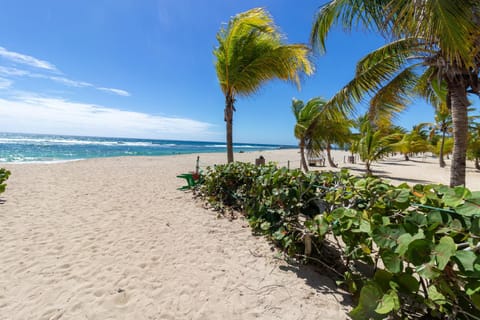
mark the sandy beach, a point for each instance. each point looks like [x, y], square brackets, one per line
[115, 239]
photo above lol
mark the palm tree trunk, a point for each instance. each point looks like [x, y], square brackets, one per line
[442, 144]
[229, 100]
[459, 104]
[303, 161]
[367, 166]
[329, 156]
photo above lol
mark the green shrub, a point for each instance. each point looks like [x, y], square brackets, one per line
[4, 174]
[420, 244]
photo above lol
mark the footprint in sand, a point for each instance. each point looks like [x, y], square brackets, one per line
[99, 293]
[121, 297]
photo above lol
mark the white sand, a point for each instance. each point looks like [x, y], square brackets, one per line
[114, 239]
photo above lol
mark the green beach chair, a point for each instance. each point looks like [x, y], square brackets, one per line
[192, 178]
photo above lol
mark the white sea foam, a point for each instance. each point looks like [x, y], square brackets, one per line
[79, 142]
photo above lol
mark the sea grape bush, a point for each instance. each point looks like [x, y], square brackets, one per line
[421, 244]
[4, 174]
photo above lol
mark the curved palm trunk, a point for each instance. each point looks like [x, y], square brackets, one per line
[442, 144]
[368, 169]
[459, 104]
[229, 108]
[329, 156]
[303, 161]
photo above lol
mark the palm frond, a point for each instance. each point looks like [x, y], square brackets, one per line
[251, 51]
[394, 96]
[373, 71]
[447, 25]
[350, 14]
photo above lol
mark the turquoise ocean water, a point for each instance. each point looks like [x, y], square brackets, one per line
[19, 147]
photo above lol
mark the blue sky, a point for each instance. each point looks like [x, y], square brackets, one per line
[145, 69]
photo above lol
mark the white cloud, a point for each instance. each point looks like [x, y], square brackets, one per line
[13, 71]
[5, 83]
[54, 115]
[71, 83]
[27, 60]
[31, 61]
[115, 91]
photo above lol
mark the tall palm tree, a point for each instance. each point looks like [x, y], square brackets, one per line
[474, 145]
[333, 130]
[250, 52]
[305, 114]
[433, 41]
[442, 124]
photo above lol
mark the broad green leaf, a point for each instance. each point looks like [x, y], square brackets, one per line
[338, 213]
[403, 242]
[323, 226]
[265, 226]
[429, 271]
[382, 279]
[466, 260]
[475, 228]
[455, 197]
[471, 207]
[408, 282]
[389, 302]
[360, 184]
[416, 218]
[436, 296]
[386, 236]
[445, 249]
[392, 261]
[435, 217]
[365, 226]
[368, 302]
[418, 252]
[456, 225]
[472, 287]
[405, 239]
[476, 300]
[279, 234]
[401, 195]
[351, 213]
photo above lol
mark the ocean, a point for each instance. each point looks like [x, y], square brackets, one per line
[20, 147]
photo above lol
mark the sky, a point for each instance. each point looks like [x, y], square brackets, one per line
[145, 69]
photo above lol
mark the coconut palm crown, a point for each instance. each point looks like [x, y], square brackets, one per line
[250, 52]
[432, 42]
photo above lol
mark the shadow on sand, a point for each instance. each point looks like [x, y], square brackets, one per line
[403, 179]
[384, 175]
[362, 170]
[395, 163]
[319, 282]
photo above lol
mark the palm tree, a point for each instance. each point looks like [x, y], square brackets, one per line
[474, 145]
[374, 143]
[334, 130]
[433, 41]
[305, 114]
[413, 142]
[443, 123]
[250, 52]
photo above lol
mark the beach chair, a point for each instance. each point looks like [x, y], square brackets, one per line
[316, 161]
[192, 178]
